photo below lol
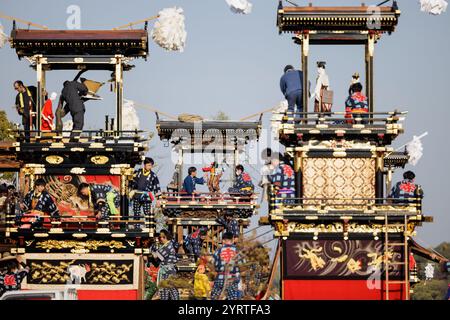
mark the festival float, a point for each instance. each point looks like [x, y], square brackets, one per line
[103, 259]
[340, 237]
[342, 230]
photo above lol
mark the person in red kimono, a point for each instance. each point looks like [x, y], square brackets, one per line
[47, 114]
[356, 105]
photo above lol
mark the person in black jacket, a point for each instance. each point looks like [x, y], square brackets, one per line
[72, 96]
[71, 100]
[25, 105]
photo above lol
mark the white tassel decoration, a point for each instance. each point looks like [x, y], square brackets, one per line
[240, 6]
[130, 118]
[3, 37]
[169, 31]
[415, 149]
[277, 116]
[434, 7]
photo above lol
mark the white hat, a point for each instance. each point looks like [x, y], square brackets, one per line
[6, 256]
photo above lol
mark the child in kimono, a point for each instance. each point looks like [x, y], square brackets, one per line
[167, 257]
[202, 287]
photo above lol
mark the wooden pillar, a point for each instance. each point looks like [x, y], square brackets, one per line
[124, 202]
[388, 181]
[379, 177]
[236, 161]
[370, 49]
[180, 238]
[180, 168]
[298, 175]
[142, 277]
[40, 94]
[282, 275]
[119, 91]
[305, 53]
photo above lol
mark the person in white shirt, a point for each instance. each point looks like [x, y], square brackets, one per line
[322, 84]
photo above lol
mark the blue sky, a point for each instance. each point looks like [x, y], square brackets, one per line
[233, 63]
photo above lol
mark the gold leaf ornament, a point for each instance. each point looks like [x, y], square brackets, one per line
[53, 159]
[99, 159]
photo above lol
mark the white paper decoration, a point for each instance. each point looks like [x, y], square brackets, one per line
[169, 31]
[415, 149]
[434, 7]
[429, 271]
[3, 37]
[240, 6]
[277, 116]
[130, 118]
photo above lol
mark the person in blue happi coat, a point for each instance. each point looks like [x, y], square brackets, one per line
[226, 262]
[146, 188]
[190, 182]
[406, 191]
[166, 257]
[193, 242]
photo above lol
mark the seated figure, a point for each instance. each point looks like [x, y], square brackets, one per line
[243, 183]
[356, 104]
[190, 182]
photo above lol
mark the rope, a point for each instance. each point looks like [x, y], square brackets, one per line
[147, 107]
[136, 22]
[186, 117]
[254, 229]
[257, 114]
[264, 243]
[28, 23]
[260, 235]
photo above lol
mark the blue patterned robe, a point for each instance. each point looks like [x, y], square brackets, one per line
[149, 183]
[283, 178]
[43, 202]
[403, 191]
[243, 184]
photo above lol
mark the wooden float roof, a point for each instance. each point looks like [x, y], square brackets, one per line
[343, 21]
[130, 43]
[206, 128]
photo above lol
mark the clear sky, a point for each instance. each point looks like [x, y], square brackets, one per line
[233, 63]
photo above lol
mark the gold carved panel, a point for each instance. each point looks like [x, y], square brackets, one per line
[332, 178]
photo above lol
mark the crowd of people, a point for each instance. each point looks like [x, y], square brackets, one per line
[277, 174]
[71, 100]
[226, 261]
[74, 95]
[292, 87]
